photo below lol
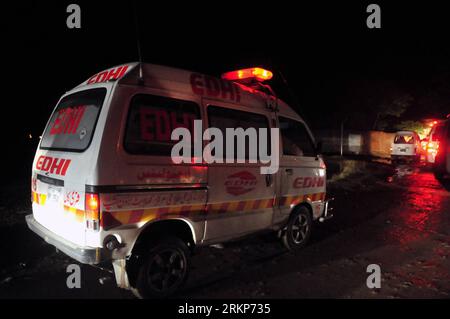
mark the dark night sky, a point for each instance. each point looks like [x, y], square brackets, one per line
[328, 56]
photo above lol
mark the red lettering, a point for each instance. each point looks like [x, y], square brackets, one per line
[39, 162]
[304, 182]
[298, 182]
[212, 86]
[122, 72]
[227, 89]
[65, 167]
[162, 126]
[307, 182]
[112, 74]
[57, 165]
[101, 77]
[46, 164]
[188, 120]
[68, 120]
[155, 125]
[79, 115]
[197, 84]
[321, 182]
[56, 128]
[116, 73]
[238, 94]
[92, 79]
[146, 124]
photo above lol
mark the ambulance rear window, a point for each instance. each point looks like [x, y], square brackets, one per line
[73, 123]
[152, 119]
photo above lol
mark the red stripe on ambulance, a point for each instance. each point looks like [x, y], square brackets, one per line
[53, 165]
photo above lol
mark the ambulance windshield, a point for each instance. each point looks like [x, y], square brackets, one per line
[72, 124]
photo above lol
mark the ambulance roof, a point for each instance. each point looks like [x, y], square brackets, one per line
[186, 82]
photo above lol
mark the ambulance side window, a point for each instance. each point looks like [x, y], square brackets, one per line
[151, 120]
[223, 118]
[296, 139]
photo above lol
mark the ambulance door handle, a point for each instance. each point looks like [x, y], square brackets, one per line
[269, 180]
[289, 171]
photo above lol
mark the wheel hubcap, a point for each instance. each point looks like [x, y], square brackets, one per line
[300, 229]
[166, 270]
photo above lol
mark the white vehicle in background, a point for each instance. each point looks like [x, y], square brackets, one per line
[406, 147]
[105, 187]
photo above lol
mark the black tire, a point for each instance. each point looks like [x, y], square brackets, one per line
[294, 237]
[163, 270]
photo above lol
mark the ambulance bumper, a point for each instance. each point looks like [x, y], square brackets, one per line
[84, 255]
[326, 211]
[406, 157]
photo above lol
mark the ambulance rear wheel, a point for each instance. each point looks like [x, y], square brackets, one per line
[298, 229]
[164, 269]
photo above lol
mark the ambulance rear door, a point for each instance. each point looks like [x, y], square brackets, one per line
[64, 160]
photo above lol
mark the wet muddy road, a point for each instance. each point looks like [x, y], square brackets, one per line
[400, 222]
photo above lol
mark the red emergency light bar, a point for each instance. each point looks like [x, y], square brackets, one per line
[258, 74]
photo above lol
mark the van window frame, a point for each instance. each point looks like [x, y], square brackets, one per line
[240, 109]
[308, 132]
[94, 128]
[127, 121]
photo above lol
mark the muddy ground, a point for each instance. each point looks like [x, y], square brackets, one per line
[396, 218]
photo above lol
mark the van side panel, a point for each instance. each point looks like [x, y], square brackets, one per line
[139, 189]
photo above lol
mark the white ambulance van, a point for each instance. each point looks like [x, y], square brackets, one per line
[105, 188]
[406, 147]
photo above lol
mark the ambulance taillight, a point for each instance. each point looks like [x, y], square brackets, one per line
[92, 211]
[258, 74]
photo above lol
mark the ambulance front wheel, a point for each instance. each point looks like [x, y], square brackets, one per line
[164, 269]
[298, 229]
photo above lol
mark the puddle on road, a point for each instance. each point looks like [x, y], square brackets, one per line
[402, 171]
[422, 203]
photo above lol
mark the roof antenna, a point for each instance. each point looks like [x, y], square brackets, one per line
[136, 25]
[292, 95]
